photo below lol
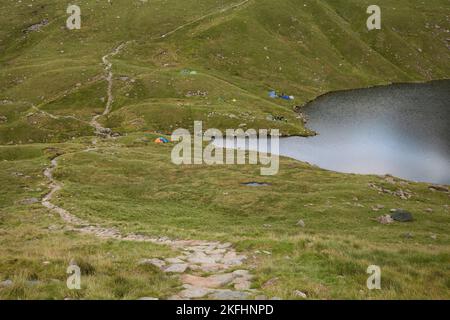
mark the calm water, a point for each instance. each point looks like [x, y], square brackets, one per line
[403, 130]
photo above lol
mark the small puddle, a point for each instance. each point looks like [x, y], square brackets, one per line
[255, 184]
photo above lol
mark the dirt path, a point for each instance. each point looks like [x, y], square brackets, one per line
[55, 117]
[218, 260]
[198, 257]
[99, 129]
[230, 7]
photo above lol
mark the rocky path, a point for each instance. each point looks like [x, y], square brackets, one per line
[218, 261]
[198, 257]
[99, 129]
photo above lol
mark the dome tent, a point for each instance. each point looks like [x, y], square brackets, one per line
[161, 140]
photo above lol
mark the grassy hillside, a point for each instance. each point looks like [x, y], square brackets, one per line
[54, 81]
[240, 50]
[131, 185]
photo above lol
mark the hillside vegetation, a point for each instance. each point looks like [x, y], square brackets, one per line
[240, 50]
[173, 62]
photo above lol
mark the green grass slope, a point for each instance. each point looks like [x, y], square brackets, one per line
[52, 82]
[240, 50]
[131, 185]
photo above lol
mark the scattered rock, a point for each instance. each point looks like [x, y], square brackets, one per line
[300, 294]
[197, 93]
[433, 236]
[229, 295]
[242, 273]
[154, 261]
[201, 260]
[28, 201]
[276, 118]
[402, 194]
[209, 267]
[242, 284]
[390, 179]
[402, 216]
[385, 219]
[408, 235]
[429, 210]
[438, 188]
[174, 260]
[6, 283]
[194, 292]
[270, 283]
[224, 245]
[104, 131]
[177, 268]
[214, 281]
[377, 207]
[301, 223]
[37, 26]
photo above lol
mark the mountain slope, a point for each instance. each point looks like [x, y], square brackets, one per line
[240, 50]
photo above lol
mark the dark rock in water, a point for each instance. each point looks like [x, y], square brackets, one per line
[255, 184]
[402, 216]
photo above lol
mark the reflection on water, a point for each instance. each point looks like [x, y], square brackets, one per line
[403, 130]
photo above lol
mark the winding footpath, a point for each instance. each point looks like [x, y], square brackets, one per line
[99, 129]
[219, 261]
[223, 10]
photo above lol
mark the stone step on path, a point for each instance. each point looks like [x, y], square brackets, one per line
[207, 257]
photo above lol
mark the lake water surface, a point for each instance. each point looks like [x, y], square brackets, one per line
[403, 130]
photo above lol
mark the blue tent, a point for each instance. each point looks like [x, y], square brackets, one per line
[273, 94]
[161, 140]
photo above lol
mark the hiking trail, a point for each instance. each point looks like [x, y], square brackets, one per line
[223, 10]
[198, 257]
[99, 129]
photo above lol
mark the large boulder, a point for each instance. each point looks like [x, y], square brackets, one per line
[402, 216]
